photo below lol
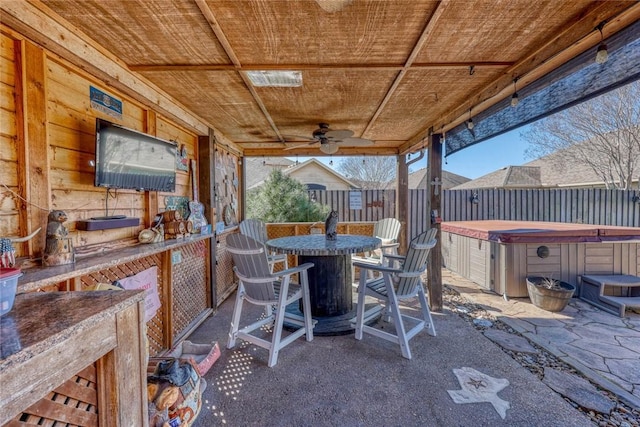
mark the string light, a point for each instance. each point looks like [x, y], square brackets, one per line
[514, 97]
[601, 54]
[470, 121]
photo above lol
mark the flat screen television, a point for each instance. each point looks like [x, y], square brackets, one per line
[129, 159]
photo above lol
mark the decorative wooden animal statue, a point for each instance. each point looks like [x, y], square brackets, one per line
[331, 226]
[58, 248]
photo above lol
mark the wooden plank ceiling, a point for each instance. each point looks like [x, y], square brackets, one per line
[389, 70]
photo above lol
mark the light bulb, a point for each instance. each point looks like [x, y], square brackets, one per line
[514, 100]
[470, 124]
[602, 55]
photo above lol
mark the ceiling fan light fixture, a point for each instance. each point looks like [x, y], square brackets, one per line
[329, 147]
[275, 78]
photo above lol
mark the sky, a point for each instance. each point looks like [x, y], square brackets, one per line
[475, 161]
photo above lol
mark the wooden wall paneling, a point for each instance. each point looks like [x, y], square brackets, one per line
[11, 136]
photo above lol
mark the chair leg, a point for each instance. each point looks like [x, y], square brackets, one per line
[306, 305]
[394, 307]
[235, 319]
[277, 329]
[362, 289]
[426, 313]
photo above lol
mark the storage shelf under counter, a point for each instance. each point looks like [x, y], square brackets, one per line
[50, 338]
[185, 282]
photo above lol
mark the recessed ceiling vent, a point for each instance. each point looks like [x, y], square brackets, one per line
[275, 78]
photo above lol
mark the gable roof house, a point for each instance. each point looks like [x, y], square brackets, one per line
[555, 170]
[314, 174]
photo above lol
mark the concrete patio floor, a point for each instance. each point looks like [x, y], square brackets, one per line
[339, 381]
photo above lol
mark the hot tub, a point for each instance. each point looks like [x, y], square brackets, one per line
[498, 255]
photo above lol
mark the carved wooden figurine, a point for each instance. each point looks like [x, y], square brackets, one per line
[58, 249]
[331, 226]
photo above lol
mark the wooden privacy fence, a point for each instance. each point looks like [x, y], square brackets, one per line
[585, 205]
[574, 205]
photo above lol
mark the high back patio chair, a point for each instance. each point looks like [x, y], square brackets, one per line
[257, 285]
[397, 283]
[257, 230]
[387, 230]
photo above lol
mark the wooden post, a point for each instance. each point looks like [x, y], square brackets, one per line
[34, 149]
[206, 181]
[435, 256]
[151, 207]
[402, 202]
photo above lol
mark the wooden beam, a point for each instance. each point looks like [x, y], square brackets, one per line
[315, 152]
[435, 212]
[540, 61]
[426, 33]
[222, 38]
[316, 67]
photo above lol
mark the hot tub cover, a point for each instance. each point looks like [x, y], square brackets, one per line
[540, 231]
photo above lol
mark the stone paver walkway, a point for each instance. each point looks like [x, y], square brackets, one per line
[603, 347]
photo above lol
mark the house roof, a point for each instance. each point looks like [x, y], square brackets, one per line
[258, 168]
[553, 170]
[292, 168]
[418, 179]
[387, 71]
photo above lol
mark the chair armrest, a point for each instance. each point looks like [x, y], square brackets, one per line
[376, 267]
[395, 257]
[389, 245]
[294, 270]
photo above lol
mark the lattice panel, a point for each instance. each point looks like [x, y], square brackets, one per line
[190, 285]
[74, 403]
[155, 327]
[226, 281]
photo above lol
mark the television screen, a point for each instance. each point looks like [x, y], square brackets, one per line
[133, 160]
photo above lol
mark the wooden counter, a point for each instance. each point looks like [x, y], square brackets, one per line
[49, 337]
[185, 282]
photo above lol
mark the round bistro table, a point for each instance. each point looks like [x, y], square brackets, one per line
[330, 281]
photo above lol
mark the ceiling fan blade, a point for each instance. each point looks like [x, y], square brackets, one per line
[356, 142]
[338, 134]
[299, 146]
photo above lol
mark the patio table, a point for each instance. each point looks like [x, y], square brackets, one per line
[330, 281]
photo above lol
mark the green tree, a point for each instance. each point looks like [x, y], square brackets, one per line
[283, 199]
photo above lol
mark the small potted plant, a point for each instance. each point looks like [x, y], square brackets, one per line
[548, 293]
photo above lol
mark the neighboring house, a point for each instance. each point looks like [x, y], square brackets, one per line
[314, 174]
[551, 171]
[258, 168]
[419, 178]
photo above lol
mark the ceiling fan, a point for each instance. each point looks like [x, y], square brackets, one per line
[330, 140]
